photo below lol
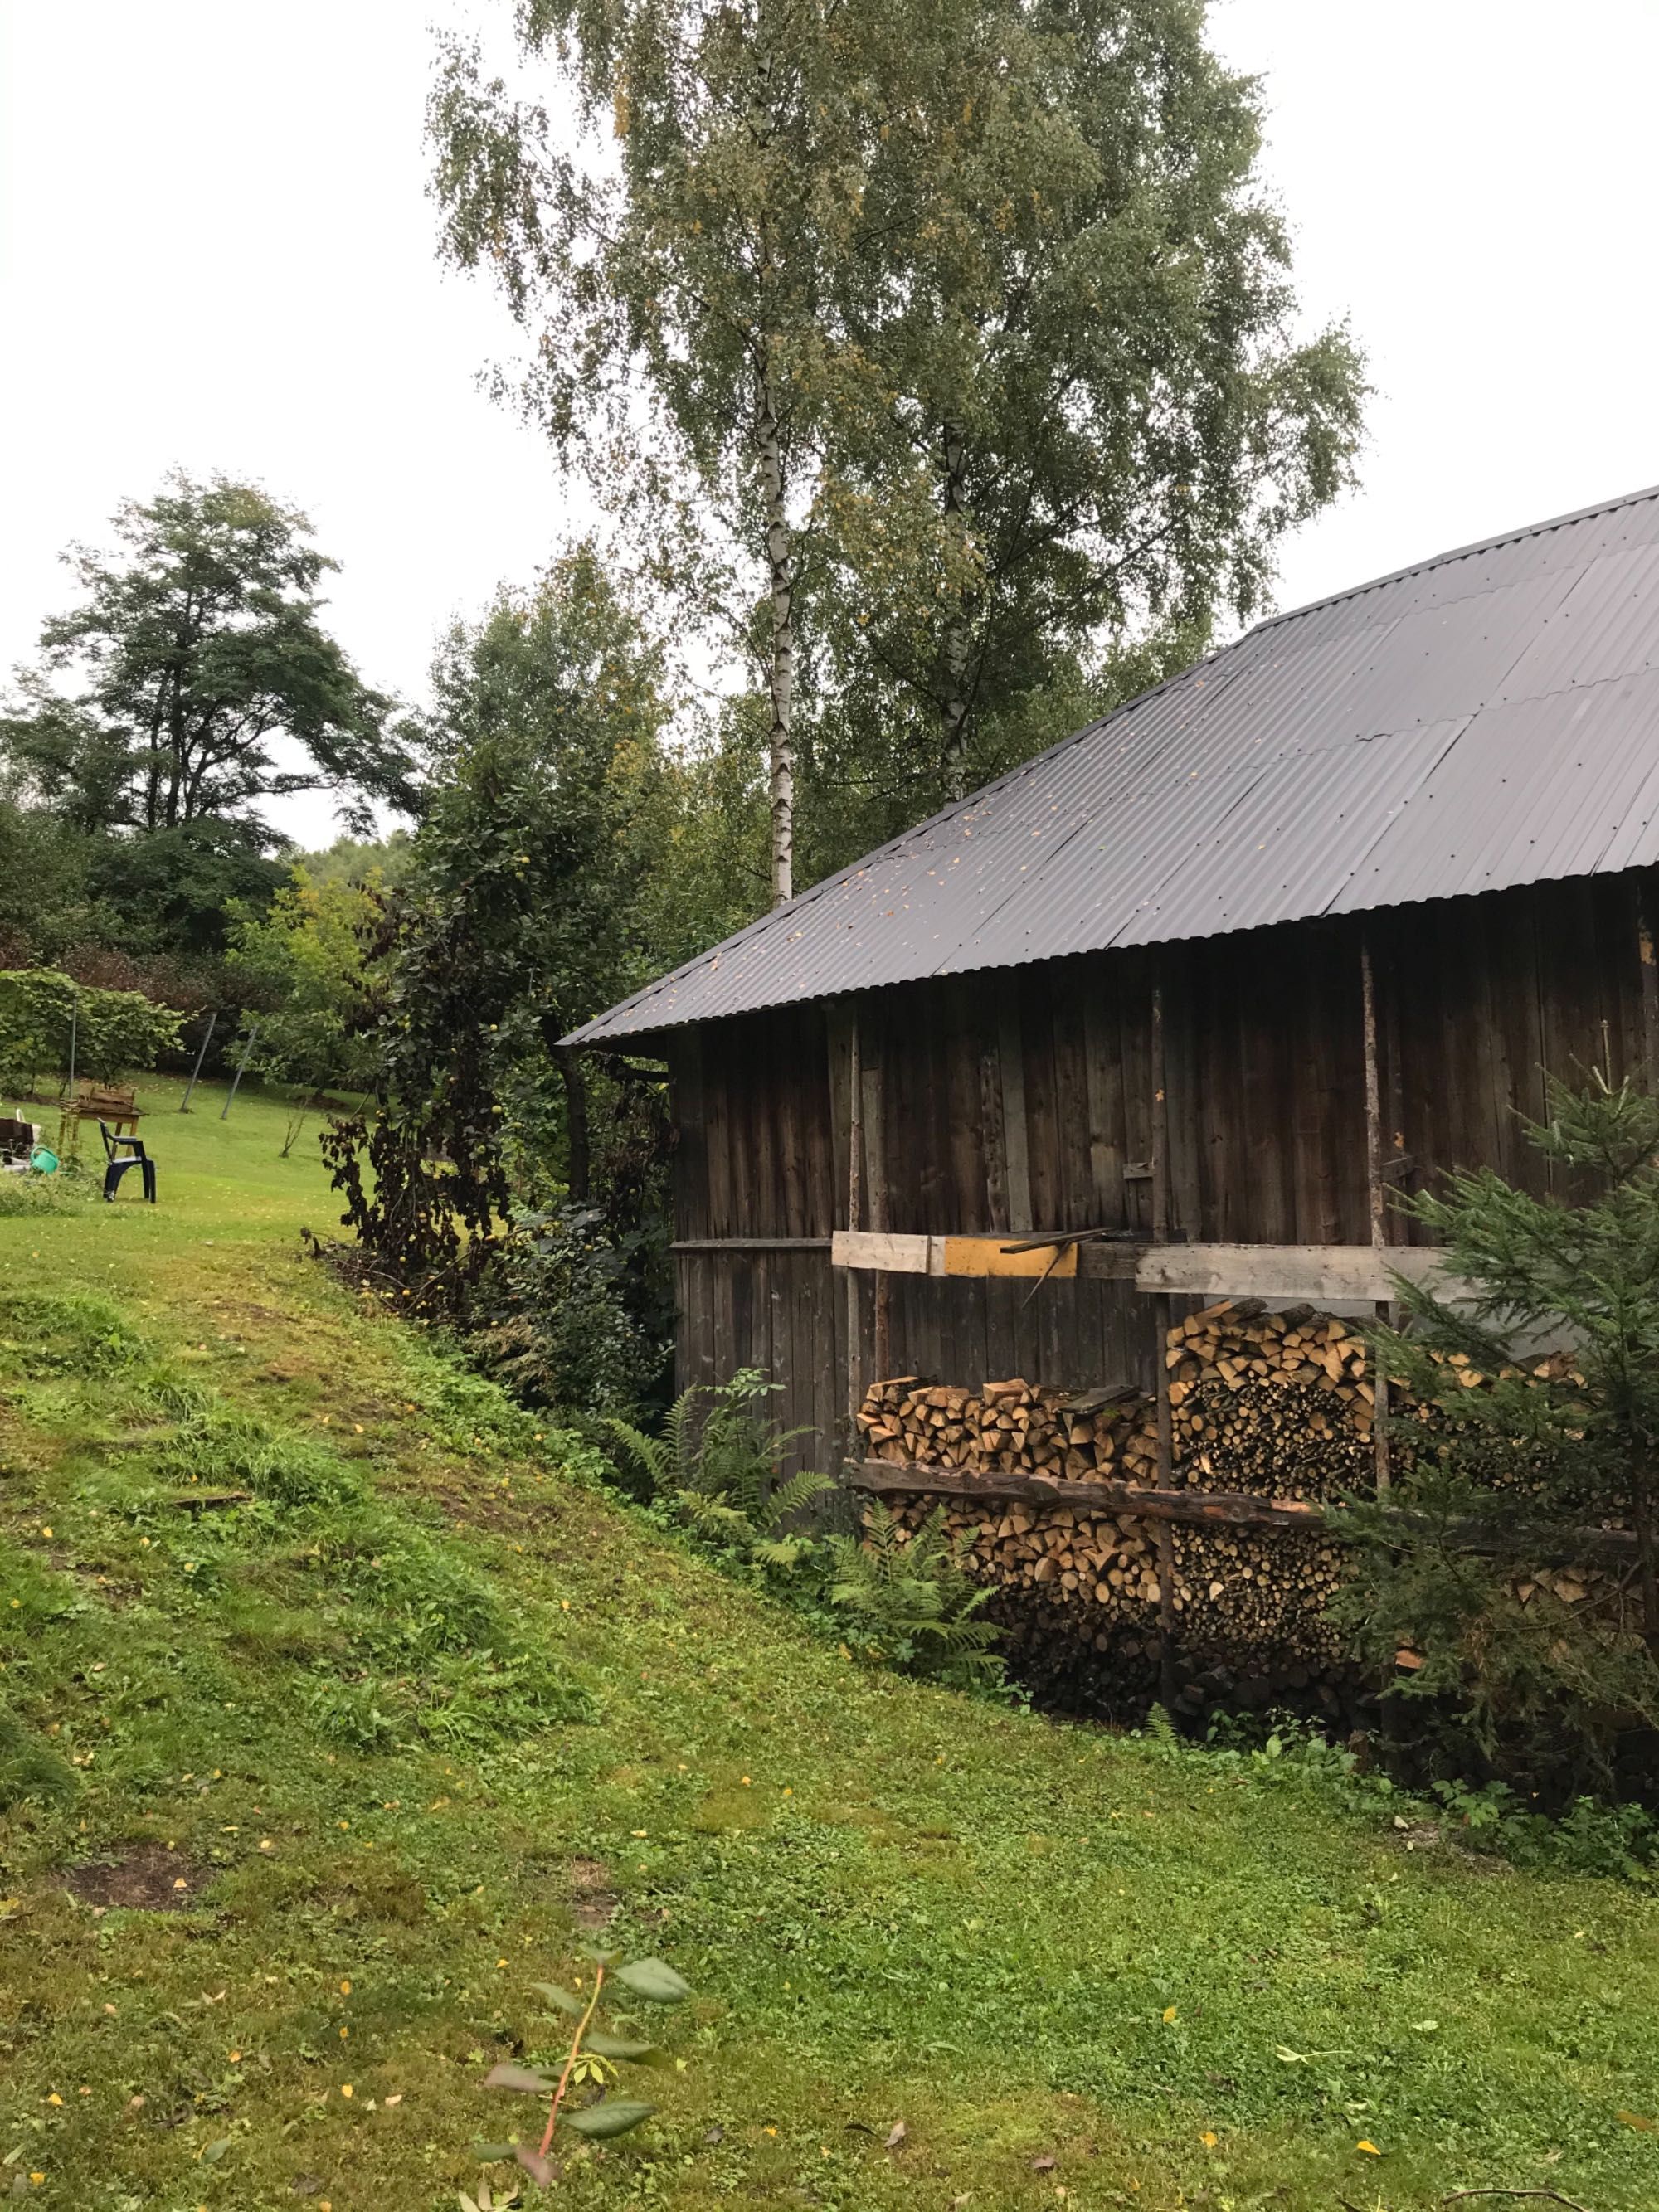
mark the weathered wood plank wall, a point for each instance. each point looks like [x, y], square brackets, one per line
[1022, 1100]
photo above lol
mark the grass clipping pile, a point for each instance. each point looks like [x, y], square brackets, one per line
[1273, 1404]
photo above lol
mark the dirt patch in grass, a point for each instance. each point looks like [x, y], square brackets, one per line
[149, 1878]
[592, 1901]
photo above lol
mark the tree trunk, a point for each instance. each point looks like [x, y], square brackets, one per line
[954, 703]
[578, 1171]
[780, 669]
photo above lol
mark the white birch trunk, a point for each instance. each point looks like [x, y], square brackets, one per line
[954, 703]
[781, 668]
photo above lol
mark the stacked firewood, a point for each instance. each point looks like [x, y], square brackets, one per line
[1011, 1428]
[1280, 1404]
[1273, 1404]
[1277, 1404]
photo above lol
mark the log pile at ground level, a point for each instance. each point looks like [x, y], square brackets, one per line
[1278, 1406]
[1270, 1404]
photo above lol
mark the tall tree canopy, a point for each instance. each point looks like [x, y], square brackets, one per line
[195, 678]
[517, 918]
[967, 319]
[1097, 417]
[698, 257]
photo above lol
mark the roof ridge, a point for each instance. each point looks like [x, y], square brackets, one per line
[1454, 553]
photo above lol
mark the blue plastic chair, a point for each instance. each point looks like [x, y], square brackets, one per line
[122, 1153]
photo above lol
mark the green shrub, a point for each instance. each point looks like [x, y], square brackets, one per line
[22, 1197]
[1510, 1678]
[115, 1031]
[720, 1462]
[558, 1315]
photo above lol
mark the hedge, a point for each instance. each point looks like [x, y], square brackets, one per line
[115, 1030]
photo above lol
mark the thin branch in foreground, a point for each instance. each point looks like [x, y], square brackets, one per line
[1539, 2196]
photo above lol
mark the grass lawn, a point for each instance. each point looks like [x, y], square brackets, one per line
[343, 1702]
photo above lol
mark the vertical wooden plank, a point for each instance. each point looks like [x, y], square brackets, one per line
[1033, 988]
[843, 1296]
[1076, 1175]
[1001, 1361]
[1011, 1053]
[1376, 1199]
[1646, 902]
[920, 1021]
[875, 1206]
[1385, 950]
[1182, 1107]
[855, 1220]
[769, 1089]
[1134, 1003]
[1162, 1310]
[995, 1135]
[690, 1123]
[968, 1178]
[795, 1107]
[1102, 1047]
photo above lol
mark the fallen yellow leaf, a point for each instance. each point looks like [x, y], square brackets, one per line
[1367, 2147]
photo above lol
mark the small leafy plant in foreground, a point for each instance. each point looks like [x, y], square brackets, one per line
[591, 2062]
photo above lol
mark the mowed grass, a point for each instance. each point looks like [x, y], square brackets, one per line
[423, 1705]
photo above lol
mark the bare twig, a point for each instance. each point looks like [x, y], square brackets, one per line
[1539, 2196]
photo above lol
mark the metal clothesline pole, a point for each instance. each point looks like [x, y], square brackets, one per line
[246, 1052]
[201, 1055]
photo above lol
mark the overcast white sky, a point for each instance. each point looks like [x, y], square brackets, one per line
[215, 250]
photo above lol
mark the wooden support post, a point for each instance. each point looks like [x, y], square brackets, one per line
[1376, 1201]
[855, 1220]
[1162, 1310]
[1648, 977]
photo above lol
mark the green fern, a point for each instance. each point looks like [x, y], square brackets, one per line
[719, 1458]
[913, 1601]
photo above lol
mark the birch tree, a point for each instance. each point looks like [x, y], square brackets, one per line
[675, 277]
[1097, 417]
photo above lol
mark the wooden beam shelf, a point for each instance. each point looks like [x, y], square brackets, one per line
[1208, 1507]
[1226, 1508]
[1362, 1273]
[751, 1244]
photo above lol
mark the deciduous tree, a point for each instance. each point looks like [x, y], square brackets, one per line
[195, 679]
[1096, 416]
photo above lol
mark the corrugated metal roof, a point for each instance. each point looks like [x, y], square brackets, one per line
[1486, 718]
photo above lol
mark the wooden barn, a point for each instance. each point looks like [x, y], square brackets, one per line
[1164, 1015]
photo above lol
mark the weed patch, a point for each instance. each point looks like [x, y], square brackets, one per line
[65, 1333]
